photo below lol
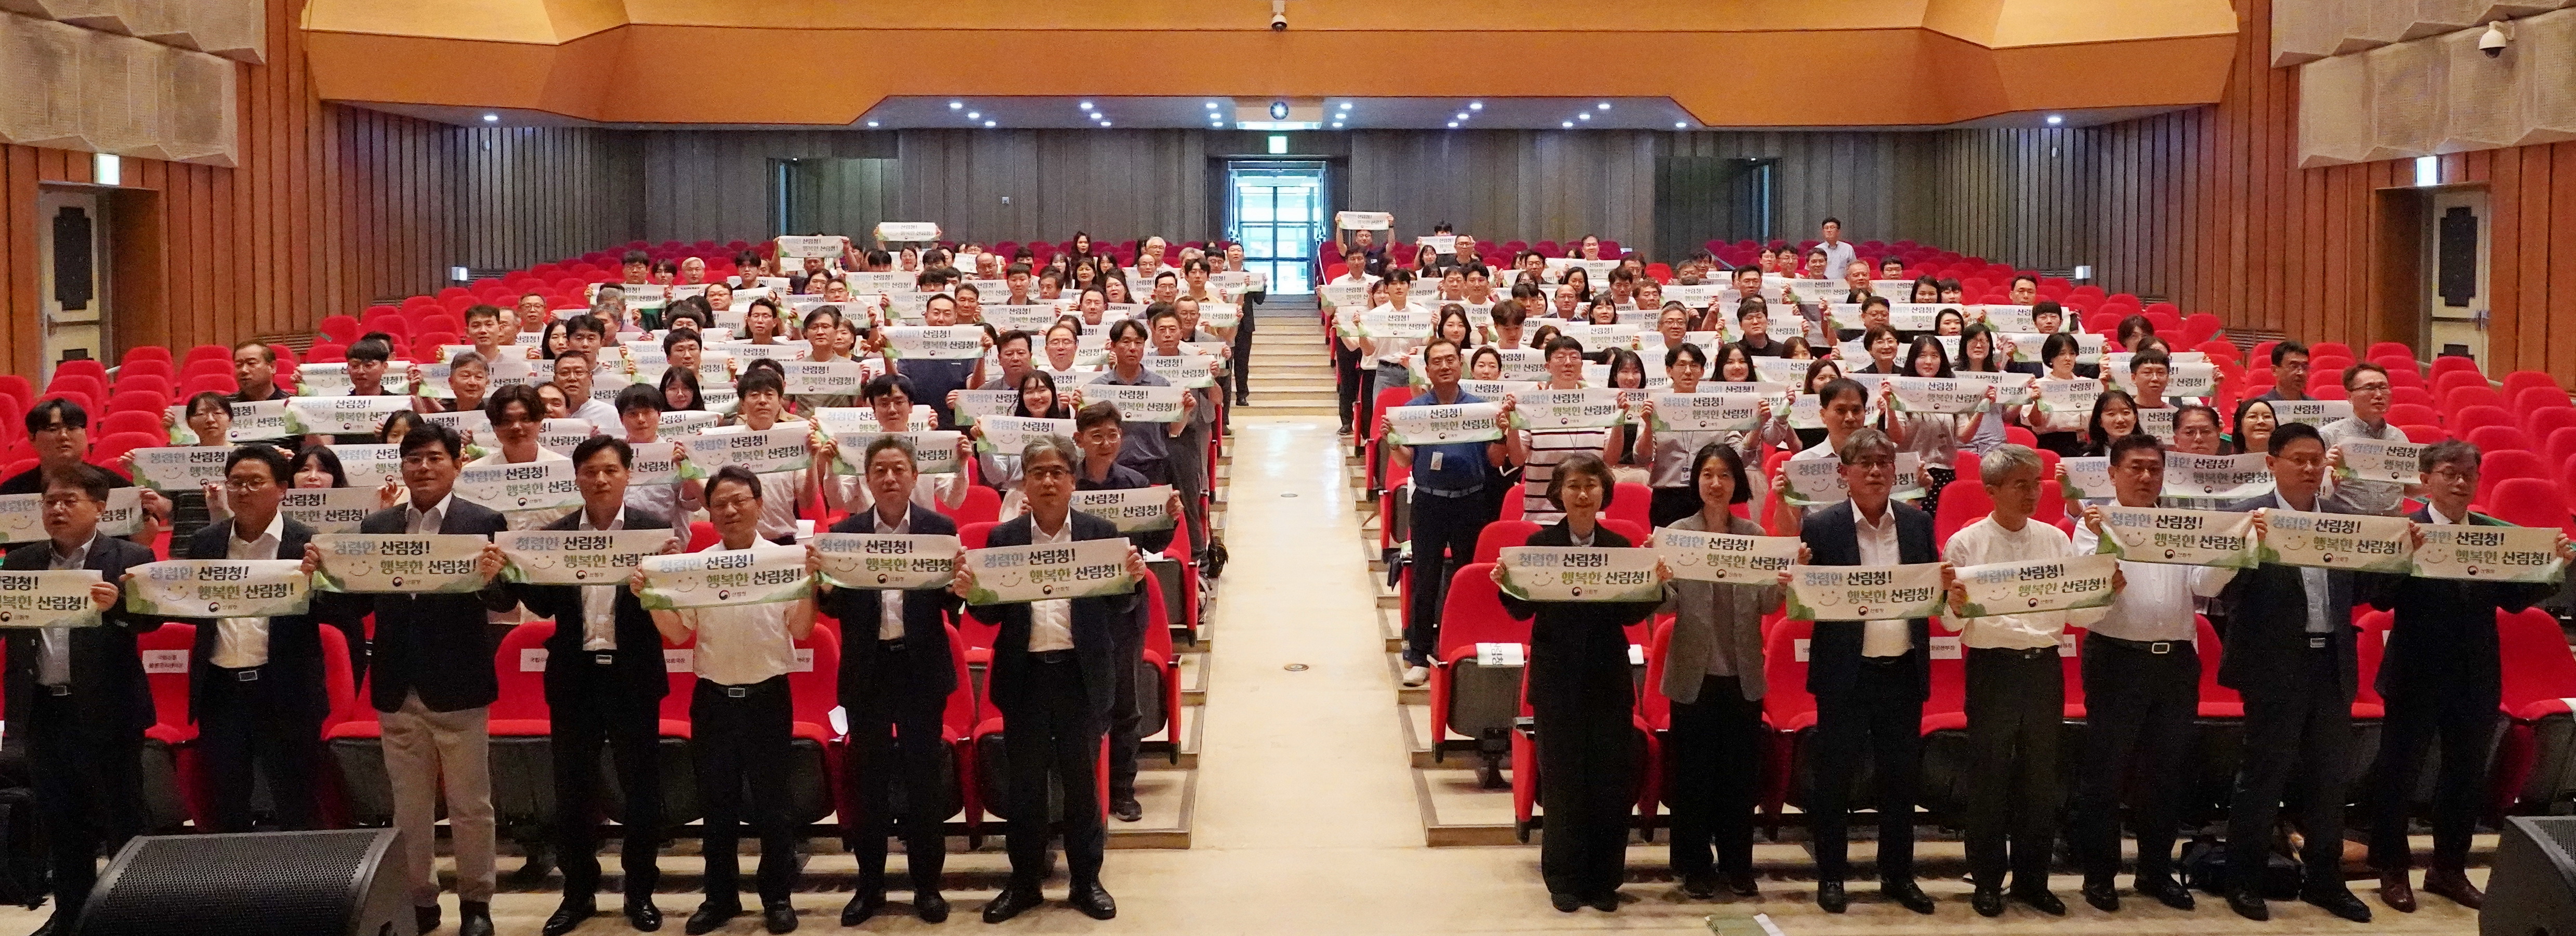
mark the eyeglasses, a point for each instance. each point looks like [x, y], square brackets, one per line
[736, 502]
[239, 486]
[66, 502]
[2452, 475]
[1874, 464]
[2369, 388]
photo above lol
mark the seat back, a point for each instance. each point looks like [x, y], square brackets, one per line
[1471, 612]
[813, 684]
[165, 669]
[2468, 419]
[1962, 503]
[2536, 661]
[520, 665]
[1652, 706]
[1630, 502]
[2531, 501]
[982, 505]
[2205, 640]
[1784, 673]
[1500, 533]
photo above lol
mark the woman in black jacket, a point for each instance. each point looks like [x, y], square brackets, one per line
[1582, 696]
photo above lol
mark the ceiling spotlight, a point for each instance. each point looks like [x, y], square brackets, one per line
[971, 115]
[1584, 116]
[1605, 105]
[872, 123]
[1104, 123]
[1086, 105]
[1677, 125]
[953, 105]
[1211, 105]
[1346, 105]
[988, 123]
[491, 118]
[1462, 115]
[1337, 125]
[1453, 125]
[2055, 119]
[1475, 105]
[1567, 125]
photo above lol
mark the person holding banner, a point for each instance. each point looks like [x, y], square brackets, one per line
[639, 409]
[1053, 680]
[1580, 691]
[1936, 436]
[2057, 430]
[1450, 506]
[2289, 650]
[1672, 455]
[59, 429]
[895, 681]
[934, 378]
[1390, 351]
[1538, 451]
[1148, 449]
[604, 683]
[2289, 372]
[1869, 677]
[762, 396]
[76, 696]
[432, 684]
[2441, 680]
[572, 371]
[2254, 423]
[1713, 675]
[1097, 429]
[742, 715]
[255, 684]
[2115, 414]
[1188, 452]
[2016, 694]
[889, 398]
[469, 377]
[518, 414]
[2368, 387]
[255, 374]
[366, 367]
[2141, 673]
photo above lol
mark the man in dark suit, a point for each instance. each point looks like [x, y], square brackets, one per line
[2289, 651]
[896, 676]
[77, 698]
[604, 685]
[1052, 680]
[1869, 677]
[432, 685]
[2441, 679]
[255, 684]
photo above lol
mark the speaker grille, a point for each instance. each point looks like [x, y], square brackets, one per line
[215, 885]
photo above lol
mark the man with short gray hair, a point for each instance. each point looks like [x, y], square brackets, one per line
[2016, 694]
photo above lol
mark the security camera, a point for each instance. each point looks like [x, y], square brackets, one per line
[1278, 15]
[2493, 41]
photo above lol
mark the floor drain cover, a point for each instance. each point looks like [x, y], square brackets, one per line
[1295, 667]
[1289, 494]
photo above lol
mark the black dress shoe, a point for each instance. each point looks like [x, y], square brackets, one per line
[710, 915]
[569, 916]
[2340, 902]
[778, 917]
[862, 905]
[1988, 901]
[1700, 885]
[1741, 884]
[60, 924]
[1011, 902]
[1830, 896]
[2041, 900]
[473, 918]
[1127, 809]
[1907, 895]
[426, 918]
[1093, 900]
[930, 907]
[1564, 902]
[2167, 891]
[1606, 903]
[643, 915]
[2249, 905]
[2102, 896]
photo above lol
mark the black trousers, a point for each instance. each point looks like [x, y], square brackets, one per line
[1674, 503]
[89, 793]
[600, 712]
[1131, 695]
[1352, 380]
[1881, 716]
[1444, 540]
[242, 725]
[1243, 348]
[2016, 703]
[1587, 764]
[2297, 728]
[1054, 736]
[895, 735]
[740, 739]
[2466, 724]
[2139, 708]
[1716, 744]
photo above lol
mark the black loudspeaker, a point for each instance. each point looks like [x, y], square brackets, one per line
[336, 883]
[2531, 891]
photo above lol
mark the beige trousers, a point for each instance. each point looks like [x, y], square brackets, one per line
[422, 748]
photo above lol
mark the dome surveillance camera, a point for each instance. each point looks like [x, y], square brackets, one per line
[1278, 15]
[2494, 40]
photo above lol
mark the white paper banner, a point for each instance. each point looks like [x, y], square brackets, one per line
[1575, 573]
[1707, 412]
[369, 466]
[2490, 553]
[1590, 408]
[1134, 510]
[1864, 593]
[54, 598]
[758, 575]
[767, 451]
[2036, 586]
[1936, 395]
[1818, 481]
[1182, 370]
[1140, 404]
[1725, 557]
[538, 485]
[2216, 477]
[1052, 571]
[22, 516]
[576, 557]
[2179, 537]
[933, 452]
[219, 588]
[824, 378]
[394, 564]
[343, 415]
[2355, 542]
[182, 468]
[887, 561]
[1364, 220]
[329, 510]
[2068, 396]
[1442, 425]
[895, 231]
[2366, 460]
[1009, 434]
[2312, 412]
[2086, 478]
[935, 342]
[827, 246]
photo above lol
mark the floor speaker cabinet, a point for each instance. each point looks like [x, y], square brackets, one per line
[334, 883]
[2531, 889]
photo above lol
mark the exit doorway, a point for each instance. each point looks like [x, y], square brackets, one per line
[71, 279]
[1275, 209]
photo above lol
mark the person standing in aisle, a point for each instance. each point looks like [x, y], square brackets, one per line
[1713, 677]
[1450, 506]
[255, 684]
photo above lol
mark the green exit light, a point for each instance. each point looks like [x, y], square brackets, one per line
[1278, 143]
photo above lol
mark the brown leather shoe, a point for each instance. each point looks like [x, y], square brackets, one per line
[2394, 891]
[2455, 885]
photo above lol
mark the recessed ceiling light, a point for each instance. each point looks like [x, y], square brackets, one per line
[1104, 123]
[2055, 119]
[1211, 105]
[1475, 105]
[491, 118]
[1679, 125]
[1584, 116]
[953, 105]
[1605, 105]
[1337, 125]
[1346, 105]
[1453, 125]
[1462, 115]
[1086, 105]
[988, 123]
[971, 115]
[1568, 125]
[872, 123]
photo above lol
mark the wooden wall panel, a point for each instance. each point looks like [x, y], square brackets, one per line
[534, 194]
[703, 185]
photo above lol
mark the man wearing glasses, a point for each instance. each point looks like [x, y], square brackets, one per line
[255, 683]
[77, 699]
[1869, 677]
[2289, 372]
[59, 429]
[2367, 384]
